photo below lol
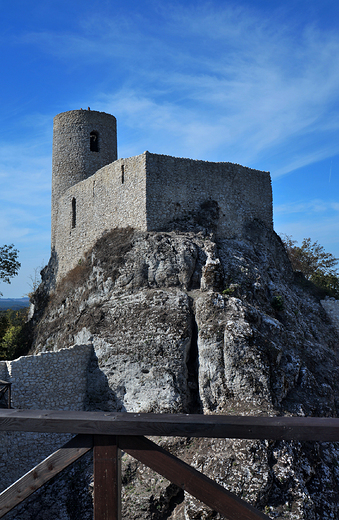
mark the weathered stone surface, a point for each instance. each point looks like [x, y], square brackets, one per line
[181, 323]
[149, 192]
[47, 381]
[331, 307]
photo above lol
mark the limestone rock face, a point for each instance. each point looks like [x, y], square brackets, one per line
[181, 323]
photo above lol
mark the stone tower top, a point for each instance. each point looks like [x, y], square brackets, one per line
[83, 142]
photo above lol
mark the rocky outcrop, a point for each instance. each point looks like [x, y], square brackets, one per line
[331, 306]
[181, 323]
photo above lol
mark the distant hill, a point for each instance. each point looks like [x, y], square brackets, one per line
[13, 303]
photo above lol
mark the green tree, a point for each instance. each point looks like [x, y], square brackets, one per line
[14, 333]
[315, 263]
[4, 324]
[9, 265]
[10, 341]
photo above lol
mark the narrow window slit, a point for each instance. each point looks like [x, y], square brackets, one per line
[94, 141]
[122, 174]
[74, 213]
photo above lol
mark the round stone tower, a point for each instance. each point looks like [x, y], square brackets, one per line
[83, 142]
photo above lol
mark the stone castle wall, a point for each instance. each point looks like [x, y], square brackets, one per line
[73, 160]
[48, 381]
[149, 191]
[177, 187]
[93, 192]
[113, 197]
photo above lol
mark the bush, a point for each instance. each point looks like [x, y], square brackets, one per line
[277, 303]
[317, 266]
[328, 282]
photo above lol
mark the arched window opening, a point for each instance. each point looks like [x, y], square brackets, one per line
[94, 141]
[74, 213]
[122, 174]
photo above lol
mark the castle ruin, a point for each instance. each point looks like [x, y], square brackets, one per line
[93, 191]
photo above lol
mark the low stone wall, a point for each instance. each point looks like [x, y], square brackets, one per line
[331, 307]
[48, 381]
[3, 371]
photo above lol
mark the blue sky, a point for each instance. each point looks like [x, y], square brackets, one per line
[256, 83]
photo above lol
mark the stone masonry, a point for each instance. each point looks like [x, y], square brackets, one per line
[93, 192]
[47, 381]
[74, 158]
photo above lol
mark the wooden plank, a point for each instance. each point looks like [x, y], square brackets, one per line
[43, 472]
[324, 429]
[189, 479]
[107, 478]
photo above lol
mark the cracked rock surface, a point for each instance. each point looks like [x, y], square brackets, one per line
[180, 323]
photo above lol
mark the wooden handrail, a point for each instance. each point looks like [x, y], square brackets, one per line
[108, 432]
[44, 472]
[325, 429]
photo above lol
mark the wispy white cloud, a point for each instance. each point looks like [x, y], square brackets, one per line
[317, 219]
[25, 175]
[302, 158]
[219, 81]
[324, 231]
[312, 206]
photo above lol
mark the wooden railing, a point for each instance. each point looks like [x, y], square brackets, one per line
[108, 433]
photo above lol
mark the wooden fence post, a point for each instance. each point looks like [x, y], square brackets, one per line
[107, 477]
